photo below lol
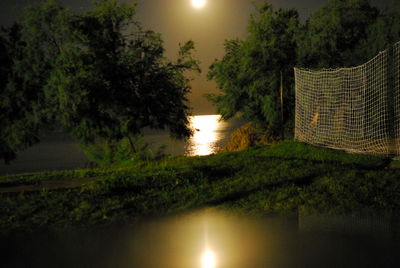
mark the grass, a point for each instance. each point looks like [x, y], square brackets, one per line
[281, 179]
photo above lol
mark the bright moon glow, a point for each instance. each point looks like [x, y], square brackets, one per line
[208, 259]
[198, 3]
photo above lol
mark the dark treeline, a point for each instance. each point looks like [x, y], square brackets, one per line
[98, 75]
[342, 33]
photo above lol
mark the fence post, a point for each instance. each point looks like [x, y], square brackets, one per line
[391, 100]
[282, 123]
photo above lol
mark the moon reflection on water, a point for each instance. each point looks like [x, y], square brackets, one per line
[208, 131]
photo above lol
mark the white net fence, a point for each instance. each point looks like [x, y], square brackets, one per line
[396, 85]
[354, 109]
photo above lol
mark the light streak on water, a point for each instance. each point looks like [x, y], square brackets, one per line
[208, 130]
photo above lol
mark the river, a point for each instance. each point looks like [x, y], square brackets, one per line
[59, 151]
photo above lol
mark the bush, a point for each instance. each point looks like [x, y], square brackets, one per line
[106, 153]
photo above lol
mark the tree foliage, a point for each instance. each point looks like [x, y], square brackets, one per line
[99, 75]
[31, 46]
[6, 107]
[249, 73]
[117, 81]
[341, 33]
[335, 34]
[21, 101]
[383, 32]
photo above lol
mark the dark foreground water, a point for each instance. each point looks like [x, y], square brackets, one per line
[58, 151]
[211, 239]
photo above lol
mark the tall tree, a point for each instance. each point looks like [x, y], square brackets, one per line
[7, 146]
[30, 48]
[98, 75]
[334, 34]
[383, 32]
[249, 73]
[116, 80]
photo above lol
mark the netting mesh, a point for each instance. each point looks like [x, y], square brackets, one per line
[396, 75]
[354, 109]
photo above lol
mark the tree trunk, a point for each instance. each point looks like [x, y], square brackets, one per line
[133, 150]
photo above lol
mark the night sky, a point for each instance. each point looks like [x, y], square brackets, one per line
[178, 22]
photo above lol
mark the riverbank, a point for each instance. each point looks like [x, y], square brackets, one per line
[280, 179]
[60, 151]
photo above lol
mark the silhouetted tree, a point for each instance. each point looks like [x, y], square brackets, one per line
[116, 80]
[31, 47]
[335, 34]
[341, 33]
[6, 145]
[98, 75]
[383, 32]
[249, 73]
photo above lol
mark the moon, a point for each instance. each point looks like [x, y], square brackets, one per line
[199, 3]
[208, 259]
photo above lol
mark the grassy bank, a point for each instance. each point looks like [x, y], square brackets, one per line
[282, 179]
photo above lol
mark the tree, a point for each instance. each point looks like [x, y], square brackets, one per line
[383, 32]
[29, 49]
[341, 33]
[6, 147]
[335, 34]
[249, 73]
[98, 75]
[116, 80]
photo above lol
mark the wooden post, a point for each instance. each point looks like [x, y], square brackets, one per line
[282, 123]
[390, 100]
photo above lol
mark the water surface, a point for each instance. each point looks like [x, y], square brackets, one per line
[226, 240]
[59, 151]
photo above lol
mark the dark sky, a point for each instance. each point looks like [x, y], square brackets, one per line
[178, 21]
